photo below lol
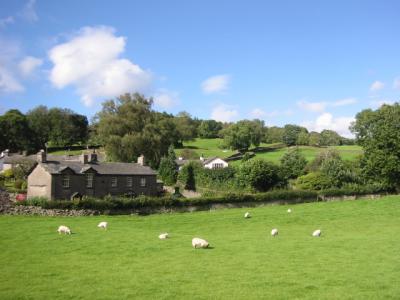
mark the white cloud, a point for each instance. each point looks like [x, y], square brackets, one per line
[8, 82]
[257, 113]
[224, 113]
[90, 62]
[312, 106]
[320, 107]
[5, 21]
[396, 83]
[378, 103]
[28, 13]
[215, 84]
[344, 102]
[376, 86]
[29, 64]
[327, 121]
[166, 99]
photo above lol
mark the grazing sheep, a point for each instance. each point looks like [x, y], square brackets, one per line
[199, 243]
[317, 233]
[247, 215]
[102, 225]
[63, 229]
[163, 236]
[289, 210]
[274, 232]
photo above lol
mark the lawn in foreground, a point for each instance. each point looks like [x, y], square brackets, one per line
[357, 256]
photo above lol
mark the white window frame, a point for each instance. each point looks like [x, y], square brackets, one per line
[89, 180]
[114, 181]
[143, 181]
[129, 182]
[66, 181]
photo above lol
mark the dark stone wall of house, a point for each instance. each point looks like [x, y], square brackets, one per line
[102, 186]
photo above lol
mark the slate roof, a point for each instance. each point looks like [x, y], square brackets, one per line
[56, 167]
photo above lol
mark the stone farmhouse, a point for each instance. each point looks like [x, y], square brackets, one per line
[68, 179]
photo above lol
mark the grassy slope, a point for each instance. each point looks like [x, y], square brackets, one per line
[356, 258]
[210, 147]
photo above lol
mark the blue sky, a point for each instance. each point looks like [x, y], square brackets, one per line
[314, 63]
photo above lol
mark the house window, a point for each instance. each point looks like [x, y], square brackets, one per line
[218, 166]
[129, 182]
[89, 180]
[114, 182]
[142, 182]
[65, 181]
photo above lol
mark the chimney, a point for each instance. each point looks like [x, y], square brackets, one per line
[41, 156]
[84, 158]
[141, 161]
[202, 158]
[93, 157]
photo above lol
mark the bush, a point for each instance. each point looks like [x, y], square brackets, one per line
[293, 164]
[314, 181]
[258, 175]
[8, 174]
[18, 184]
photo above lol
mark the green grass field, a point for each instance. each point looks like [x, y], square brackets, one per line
[357, 256]
[211, 147]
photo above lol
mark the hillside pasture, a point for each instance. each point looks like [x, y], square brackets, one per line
[356, 257]
[271, 152]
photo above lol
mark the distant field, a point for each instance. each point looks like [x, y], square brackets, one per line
[357, 256]
[64, 152]
[211, 147]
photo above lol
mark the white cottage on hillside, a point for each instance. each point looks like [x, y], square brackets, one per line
[214, 163]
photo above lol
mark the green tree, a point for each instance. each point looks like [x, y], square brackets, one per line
[168, 169]
[378, 133]
[258, 175]
[209, 129]
[129, 127]
[330, 138]
[185, 126]
[291, 134]
[314, 139]
[15, 131]
[303, 138]
[243, 134]
[273, 135]
[293, 164]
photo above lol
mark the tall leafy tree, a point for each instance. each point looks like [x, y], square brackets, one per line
[185, 126]
[330, 138]
[209, 129]
[293, 164]
[243, 134]
[168, 169]
[129, 127]
[378, 133]
[15, 131]
[291, 133]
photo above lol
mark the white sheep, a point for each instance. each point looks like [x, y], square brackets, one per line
[63, 229]
[103, 225]
[317, 233]
[163, 236]
[247, 215]
[274, 232]
[289, 210]
[199, 243]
